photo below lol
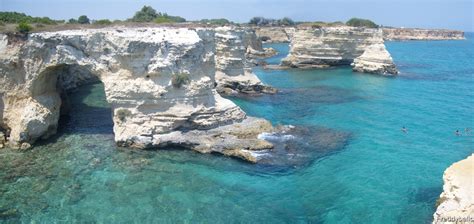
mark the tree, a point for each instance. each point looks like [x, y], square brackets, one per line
[72, 21]
[16, 17]
[261, 21]
[286, 22]
[358, 22]
[146, 14]
[83, 20]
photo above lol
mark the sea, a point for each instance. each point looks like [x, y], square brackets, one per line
[360, 167]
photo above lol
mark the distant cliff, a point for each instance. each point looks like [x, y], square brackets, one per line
[421, 34]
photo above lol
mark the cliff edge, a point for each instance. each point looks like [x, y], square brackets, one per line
[456, 203]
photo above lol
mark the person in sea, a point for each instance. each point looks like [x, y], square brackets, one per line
[404, 129]
[457, 133]
[467, 131]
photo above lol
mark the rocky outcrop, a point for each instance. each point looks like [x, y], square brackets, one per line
[334, 46]
[159, 82]
[375, 59]
[421, 34]
[456, 203]
[275, 34]
[234, 74]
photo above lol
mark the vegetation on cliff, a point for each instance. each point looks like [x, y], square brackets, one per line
[220, 22]
[148, 14]
[261, 21]
[24, 27]
[16, 17]
[358, 22]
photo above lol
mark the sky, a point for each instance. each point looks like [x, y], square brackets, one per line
[449, 14]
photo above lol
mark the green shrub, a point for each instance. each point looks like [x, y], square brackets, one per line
[16, 17]
[220, 22]
[83, 20]
[148, 14]
[102, 22]
[357, 22]
[179, 79]
[122, 114]
[286, 22]
[72, 21]
[163, 20]
[24, 27]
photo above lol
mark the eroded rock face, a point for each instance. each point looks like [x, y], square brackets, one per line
[138, 67]
[421, 34]
[275, 34]
[234, 74]
[456, 203]
[375, 59]
[334, 46]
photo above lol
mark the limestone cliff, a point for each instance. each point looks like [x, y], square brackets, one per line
[234, 74]
[375, 59]
[254, 46]
[333, 46]
[421, 34]
[159, 82]
[456, 203]
[275, 34]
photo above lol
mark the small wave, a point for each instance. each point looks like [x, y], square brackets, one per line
[275, 137]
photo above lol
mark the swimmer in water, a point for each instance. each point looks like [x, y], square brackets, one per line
[467, 131]
[457, 133]
[404, 129]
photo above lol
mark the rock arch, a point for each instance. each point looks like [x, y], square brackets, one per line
[137, 67]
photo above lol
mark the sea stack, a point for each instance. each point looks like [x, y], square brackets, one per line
[336, 46]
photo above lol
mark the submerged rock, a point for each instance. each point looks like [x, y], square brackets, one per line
[335, 46]
[456, 203]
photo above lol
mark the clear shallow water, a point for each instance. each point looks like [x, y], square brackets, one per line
[380, 176]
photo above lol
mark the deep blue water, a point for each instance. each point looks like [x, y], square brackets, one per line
[381, 175]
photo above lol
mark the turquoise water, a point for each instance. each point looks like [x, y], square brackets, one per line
[380, 175]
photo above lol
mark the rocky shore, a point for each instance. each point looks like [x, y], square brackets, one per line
[160, 83]
[456, 203]
[335, 46]
[421, 34]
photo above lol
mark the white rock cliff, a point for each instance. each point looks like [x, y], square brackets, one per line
[421, 34]
[158, 81]
[456, 203]
[334, 46]
[234, 74]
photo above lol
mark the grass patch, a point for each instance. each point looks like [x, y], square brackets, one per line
[179, 79]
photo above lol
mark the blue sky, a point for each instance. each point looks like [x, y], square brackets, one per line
[453, 14]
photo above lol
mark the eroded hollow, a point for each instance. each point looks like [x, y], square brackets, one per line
[84, 108]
